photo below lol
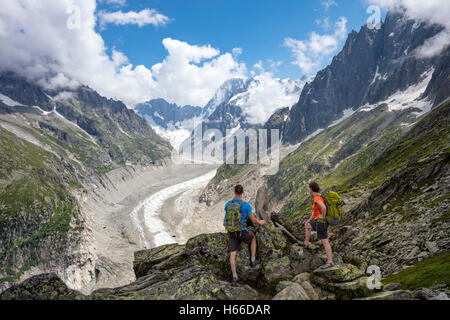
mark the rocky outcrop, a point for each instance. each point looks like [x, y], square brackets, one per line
[200, 270]
[438, 90]
[41, 287]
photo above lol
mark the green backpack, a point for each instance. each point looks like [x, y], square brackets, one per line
[334, 207]
[233, 217]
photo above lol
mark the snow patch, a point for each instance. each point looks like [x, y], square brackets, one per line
[156, 114]
[408, 98]
[8, 101]
[376, 76]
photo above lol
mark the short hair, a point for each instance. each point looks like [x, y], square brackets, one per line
[314, 186]
[238, 189]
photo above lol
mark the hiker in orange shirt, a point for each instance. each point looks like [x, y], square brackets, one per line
[318, 223]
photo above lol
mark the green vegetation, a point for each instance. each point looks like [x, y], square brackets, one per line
[427, 273]
[357, 156]
[36, 209]
[104, 169]
[227, 171]
[444, 217]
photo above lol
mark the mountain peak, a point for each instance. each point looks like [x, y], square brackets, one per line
[373, 65]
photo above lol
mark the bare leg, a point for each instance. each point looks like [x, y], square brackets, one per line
[326, 245]
[307, 233]
[233, 262]
[253, 247]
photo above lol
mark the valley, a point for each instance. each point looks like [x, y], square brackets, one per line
[95, 204]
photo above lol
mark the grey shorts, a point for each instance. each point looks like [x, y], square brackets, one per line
[235, 239]
[321, 229]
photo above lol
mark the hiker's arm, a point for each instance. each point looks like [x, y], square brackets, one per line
[323, 209]
[256, 221]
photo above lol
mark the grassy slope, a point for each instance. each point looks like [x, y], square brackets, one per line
[382, 183]
[427, 273]
[335, 156]
[122, 136]
[37, 213]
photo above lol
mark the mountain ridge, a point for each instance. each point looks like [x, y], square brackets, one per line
[372, 66]
[56, 147]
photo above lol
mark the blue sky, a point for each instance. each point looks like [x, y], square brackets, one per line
[259, 27]
[184, 50]
[179, 50]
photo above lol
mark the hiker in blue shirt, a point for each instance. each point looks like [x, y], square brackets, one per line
[236, 213]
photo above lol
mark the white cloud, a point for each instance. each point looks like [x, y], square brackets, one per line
[236, 52]
[119, 2]
[323, 23]
[328, 3]
[434, 45]
[430, 11]
[274, 65]
[310, 54]
[259, 66]
[265, 95]
[181, 80]
[141, 18]
[36, 42]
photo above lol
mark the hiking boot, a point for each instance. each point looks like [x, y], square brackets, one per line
[326, 266]
[235, 281]
[254, 263]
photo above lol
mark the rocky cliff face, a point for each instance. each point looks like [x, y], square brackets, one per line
[53, 145]
[161, 113]
[372, 66]
[393, 178]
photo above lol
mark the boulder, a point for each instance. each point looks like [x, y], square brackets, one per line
[312, 293]
[304, 260]
[392, 286]
[226, 291]
[292, 292]
[212, 245]
[196, 282]
[282, 285]
[431, 246]
[41, 287]
[261, 205]
[429, 294]
[305, 276]
[144, 260]
[277, 269]
[213, 248]
[272, 243]
[349, 290]
[339, 273]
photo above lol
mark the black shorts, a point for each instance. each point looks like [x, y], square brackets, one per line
[321, 228]
[235, 239]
